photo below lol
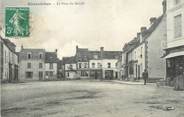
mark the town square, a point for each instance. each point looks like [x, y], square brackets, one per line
[110, 59]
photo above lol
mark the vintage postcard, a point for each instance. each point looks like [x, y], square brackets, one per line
[92, 58]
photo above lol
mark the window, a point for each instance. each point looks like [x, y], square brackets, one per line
[40, 74]
[93, 65]
[85, 65]
[28, 65]
[84, 73]
[109, 65]
[51, 66]
[40, 65]
[51, 74]
[141, 53]
[29, 75]
[71, 66]
[99, 65]
[47, 73]
[80, 65]
[178, 26]
[40, 56]
[29, 56]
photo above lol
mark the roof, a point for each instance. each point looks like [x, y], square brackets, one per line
[69, 60]
[112, 54]
[85, 54]
[135, 42]
[131, 45]
[51, 57]
[11, 46]
[33, 50]
[153, 27]
[82, 54]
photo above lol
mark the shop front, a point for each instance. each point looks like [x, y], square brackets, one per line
[174, 67]
[96, 74]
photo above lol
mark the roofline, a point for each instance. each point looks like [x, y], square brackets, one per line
[8, 46]
[145, 38]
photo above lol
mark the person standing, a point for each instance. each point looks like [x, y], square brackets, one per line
[145, 76]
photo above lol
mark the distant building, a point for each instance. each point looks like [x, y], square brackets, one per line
[60, 70]
[70, 67]
[146, 50]
[51, 65]
[8, 61]
[82, 59]
[37, 64]
[175, 39]
[92, 64]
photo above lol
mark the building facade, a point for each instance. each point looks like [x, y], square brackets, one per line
[32, 64]
[70, 67]
[51, 65]
[175, 39]
[82, 59]
[146, 50]
[37, 64]
[92, 64]
[8, 61]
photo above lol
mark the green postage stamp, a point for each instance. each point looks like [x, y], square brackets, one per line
[17, 22]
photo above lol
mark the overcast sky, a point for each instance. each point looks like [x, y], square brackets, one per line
[108, 23]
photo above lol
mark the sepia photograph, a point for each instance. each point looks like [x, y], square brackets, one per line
[92, 58]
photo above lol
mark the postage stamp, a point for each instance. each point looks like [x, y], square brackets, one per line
[17, 22]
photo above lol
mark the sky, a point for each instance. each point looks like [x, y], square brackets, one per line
[95, 23]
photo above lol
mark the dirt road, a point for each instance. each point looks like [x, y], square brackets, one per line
[89, 99]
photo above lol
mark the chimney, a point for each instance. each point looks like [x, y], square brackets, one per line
[138, 35]
[101, 52]
[152, 20]
[143, 29]
[164, 5]
[77, 47]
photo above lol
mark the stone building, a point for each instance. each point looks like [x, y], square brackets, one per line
[70, 67]
[51, 65]
[175, 39]
[146, 50]
[37, 64]
[92, 64]
[8, 61]
[31, 63]
[82, 59]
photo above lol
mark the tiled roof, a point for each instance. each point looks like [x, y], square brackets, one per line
[131, 45]
[69, 60]
[33, 50]
[112, 54]
[9, 44]
[85, 54]
[135, 42]
[51, 57]
[153, 27]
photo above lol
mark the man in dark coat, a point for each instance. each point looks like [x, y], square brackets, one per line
[145, 76]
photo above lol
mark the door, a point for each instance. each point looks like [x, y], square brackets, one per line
[109, 74]
[40, 75]
[139, 72]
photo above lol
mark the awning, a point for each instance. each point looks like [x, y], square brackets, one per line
[175, 54]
